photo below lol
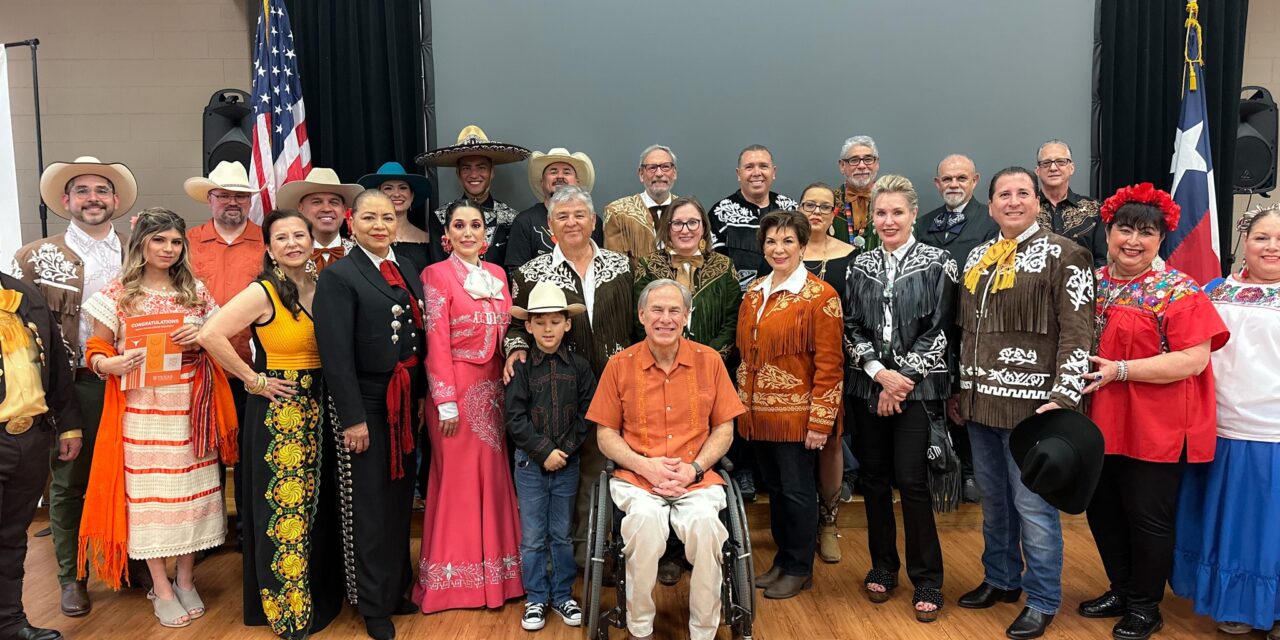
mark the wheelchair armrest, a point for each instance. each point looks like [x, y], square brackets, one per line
[725, 465]
[610, 466]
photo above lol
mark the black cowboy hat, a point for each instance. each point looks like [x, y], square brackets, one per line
[1060, 455]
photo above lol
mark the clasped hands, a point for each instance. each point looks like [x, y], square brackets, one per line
[895, 389]
[670, 477]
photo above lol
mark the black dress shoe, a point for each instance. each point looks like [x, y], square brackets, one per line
[29, 632]
[1137, 625]
[986, 595]
[379, 628]
[1029, 624]
[668, 571]
[1107, 605]
[405, 608]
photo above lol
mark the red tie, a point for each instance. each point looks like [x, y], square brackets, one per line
[399, 398]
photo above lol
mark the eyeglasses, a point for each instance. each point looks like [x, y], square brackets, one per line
[665, 167]
[1061, 163]
[85, 192]
[228, 197]
[809, 206]
[687, 225]
[853, 161]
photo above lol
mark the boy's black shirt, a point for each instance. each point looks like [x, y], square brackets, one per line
[547, 400]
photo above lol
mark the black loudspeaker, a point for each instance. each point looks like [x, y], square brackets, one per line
[228, 127]
[1255, 168]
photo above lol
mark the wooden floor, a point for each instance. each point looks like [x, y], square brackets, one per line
[835, 608]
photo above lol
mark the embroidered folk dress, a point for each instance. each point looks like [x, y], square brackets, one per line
[1161, 311]
[173, 500]
[290, 580]
[471, 530]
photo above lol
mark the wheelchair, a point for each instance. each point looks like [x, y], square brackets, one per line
[604, 546]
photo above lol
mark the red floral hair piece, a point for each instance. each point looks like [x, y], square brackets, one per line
[1144, 193]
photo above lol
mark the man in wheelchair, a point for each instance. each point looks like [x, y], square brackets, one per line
[664, 411]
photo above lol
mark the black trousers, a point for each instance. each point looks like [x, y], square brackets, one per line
[24, 466]
[240, 396]
[1132, 520]
[891, 451]
[787, 469]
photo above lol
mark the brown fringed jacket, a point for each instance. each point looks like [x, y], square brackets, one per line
[1025, 346]
[792, 374]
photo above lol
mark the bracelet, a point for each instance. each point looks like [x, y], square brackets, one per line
[93, 367]
[259, 385]
[1122, 370]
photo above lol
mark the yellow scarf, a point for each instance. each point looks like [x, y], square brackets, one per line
[13, 336]
[1000, 254]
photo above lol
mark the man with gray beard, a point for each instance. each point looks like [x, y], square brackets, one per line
[859, 163]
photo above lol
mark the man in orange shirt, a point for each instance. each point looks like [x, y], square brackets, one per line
[664, 411]
[226, 254]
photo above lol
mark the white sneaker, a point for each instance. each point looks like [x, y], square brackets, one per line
[535, 616]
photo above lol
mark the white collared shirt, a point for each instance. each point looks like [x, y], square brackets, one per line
[377, 262]
[588, 279]
[650, 202]
[102, 261]
[1031, 230]
[792, 284]
[337, 242]
[892, 260]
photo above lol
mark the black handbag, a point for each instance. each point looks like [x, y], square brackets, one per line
[943, 464]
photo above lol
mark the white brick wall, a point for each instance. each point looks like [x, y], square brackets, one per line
[126, 81]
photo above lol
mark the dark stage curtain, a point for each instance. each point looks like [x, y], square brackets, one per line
[362, 80]
[1137, 92]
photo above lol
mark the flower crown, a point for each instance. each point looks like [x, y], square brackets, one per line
[1144, 193]
[1247, 217]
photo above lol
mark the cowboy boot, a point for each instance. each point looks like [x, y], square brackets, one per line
[828, 535]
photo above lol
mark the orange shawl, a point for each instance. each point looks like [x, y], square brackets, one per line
[104, 526]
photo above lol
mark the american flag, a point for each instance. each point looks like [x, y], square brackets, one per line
[281, 152]
[1192, 248]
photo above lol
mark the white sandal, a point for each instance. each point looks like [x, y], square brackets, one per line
[190, 600]
[169, 611]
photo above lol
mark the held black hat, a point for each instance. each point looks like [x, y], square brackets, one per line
[1060, 455]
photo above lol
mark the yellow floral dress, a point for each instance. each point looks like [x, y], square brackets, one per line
[288, 584]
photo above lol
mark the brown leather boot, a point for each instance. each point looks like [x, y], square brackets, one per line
[75, 599]
[828, 534]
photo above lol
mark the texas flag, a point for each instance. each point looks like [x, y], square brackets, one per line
[1192, 248]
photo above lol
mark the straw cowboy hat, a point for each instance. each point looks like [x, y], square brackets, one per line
[546, 298]
[1060, 455]
[473, 142]
[395, 171]
[539, 162]
[320, 180]
[228, 176]
[53, 183]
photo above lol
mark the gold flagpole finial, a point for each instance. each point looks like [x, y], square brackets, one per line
[1193, 22]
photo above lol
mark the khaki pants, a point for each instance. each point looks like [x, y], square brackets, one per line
[649, 519]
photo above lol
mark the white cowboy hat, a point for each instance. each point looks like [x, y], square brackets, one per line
[320, 180]
[546, 298]
[473, 142]
[539, 162]
[228, 176]
[53, 183]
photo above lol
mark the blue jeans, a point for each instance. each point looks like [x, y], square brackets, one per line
[1016, 522]
[546, 519]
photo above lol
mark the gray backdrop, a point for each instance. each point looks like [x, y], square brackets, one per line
[708, 77]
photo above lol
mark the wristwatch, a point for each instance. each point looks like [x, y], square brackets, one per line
[697, 471]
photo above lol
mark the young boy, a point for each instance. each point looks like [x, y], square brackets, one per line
[546, 400]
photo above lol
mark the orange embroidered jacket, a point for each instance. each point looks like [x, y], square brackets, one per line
[792, 374]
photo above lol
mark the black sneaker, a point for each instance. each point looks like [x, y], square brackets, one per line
[570, 612]
[535, 616]
[746, 485]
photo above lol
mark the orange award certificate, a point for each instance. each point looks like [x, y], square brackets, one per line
[163, 363]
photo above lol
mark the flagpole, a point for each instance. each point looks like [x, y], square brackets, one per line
[35, 89]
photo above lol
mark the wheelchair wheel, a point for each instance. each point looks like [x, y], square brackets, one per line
[598, 525]
[744, 590]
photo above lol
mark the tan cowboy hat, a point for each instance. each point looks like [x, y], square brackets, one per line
[320, 180]
[546, 298]
[539, 162]
[228, 176]
[473, 142]
[53, 183]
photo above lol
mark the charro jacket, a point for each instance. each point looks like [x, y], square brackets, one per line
[1028, 345]
[629, 227]
[916, 305]
[55, 361]
[57, 272]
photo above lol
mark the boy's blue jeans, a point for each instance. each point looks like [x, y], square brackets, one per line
[546, 520]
